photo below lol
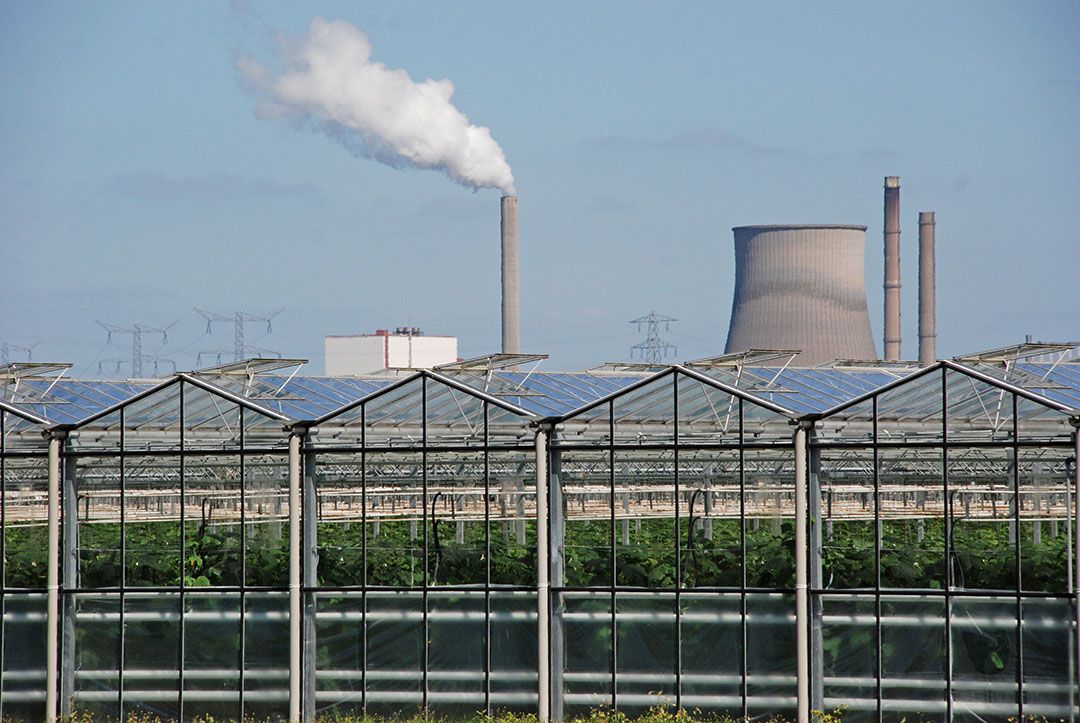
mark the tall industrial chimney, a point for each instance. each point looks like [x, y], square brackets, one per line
[510, 247]
[927, 293]
[801, 287]
[892, 268]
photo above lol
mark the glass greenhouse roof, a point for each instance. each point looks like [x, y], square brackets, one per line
[45, 392]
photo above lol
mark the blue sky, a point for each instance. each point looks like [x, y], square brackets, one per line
[136, 181]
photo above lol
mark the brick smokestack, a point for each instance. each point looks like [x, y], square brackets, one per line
[892, 268]
[927, 291]
[511, 337]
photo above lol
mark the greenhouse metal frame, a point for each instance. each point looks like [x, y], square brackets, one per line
[751, 541]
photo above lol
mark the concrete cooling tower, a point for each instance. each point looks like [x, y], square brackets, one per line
[801, 287]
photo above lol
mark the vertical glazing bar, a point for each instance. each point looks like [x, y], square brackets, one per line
[557, 547]
[678, 549]
[742, 564]
[877, 557]
[183, 556]
[424, 524]
[1016, 561]
[3, 546]
[487, 564]
[295, 628]
[611, 541]
[543, 586]
[123, 562]
[814, 563]
[1075, 582]
[947, 512]
[52, 622]
[69, 577]
[802, 625]
[364, 558]
[243, 565]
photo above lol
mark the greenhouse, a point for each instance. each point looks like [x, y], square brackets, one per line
[736, 536]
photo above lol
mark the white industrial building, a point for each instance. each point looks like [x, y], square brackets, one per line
[404, 348]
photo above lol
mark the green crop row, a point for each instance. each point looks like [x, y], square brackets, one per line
[647, 553]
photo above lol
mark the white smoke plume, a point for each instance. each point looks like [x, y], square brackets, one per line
[330, 81]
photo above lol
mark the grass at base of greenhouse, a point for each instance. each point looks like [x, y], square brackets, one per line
[654, 715]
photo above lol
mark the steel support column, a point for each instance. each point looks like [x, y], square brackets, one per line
[543, 583]
[295, 628]
[52, 581]
[802, 624]
[309, 566]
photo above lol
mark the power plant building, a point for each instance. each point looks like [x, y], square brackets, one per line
[403, 348]
[801, 287]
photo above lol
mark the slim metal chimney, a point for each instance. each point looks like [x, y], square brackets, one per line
[510, 248]
[892, 268]
[927, 293]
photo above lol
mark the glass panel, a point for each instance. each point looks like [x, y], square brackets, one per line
[212, 655]
[513, 651]
[212, 513]
[712, 653]
[770, 523]
[266, 497]
[854, 425]
[849, 655]
[1049, 662]
[394, 417]
[587, 638]
[1045, 512]
[645, 651]
[645, 519]
[454, 417]
[513, 519]
[97, 485]
[646, 415]
[849, 529]
[707, 415]
[712, 552]
[339, 654]
[913, 659]
[1039, 422]
[978, 411]
[266, 655]
[152, 654]
[395, 623]
[764, 426]
[983, 531]
[22, 696]
[984, 657]
[912, 518]
[97, 654]
[911, 411]
[456, 546]
[26, 509]
[395, 544]
[152, 516]
[770, 654]
[338, 482]
[457, 638]
[586, 488]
